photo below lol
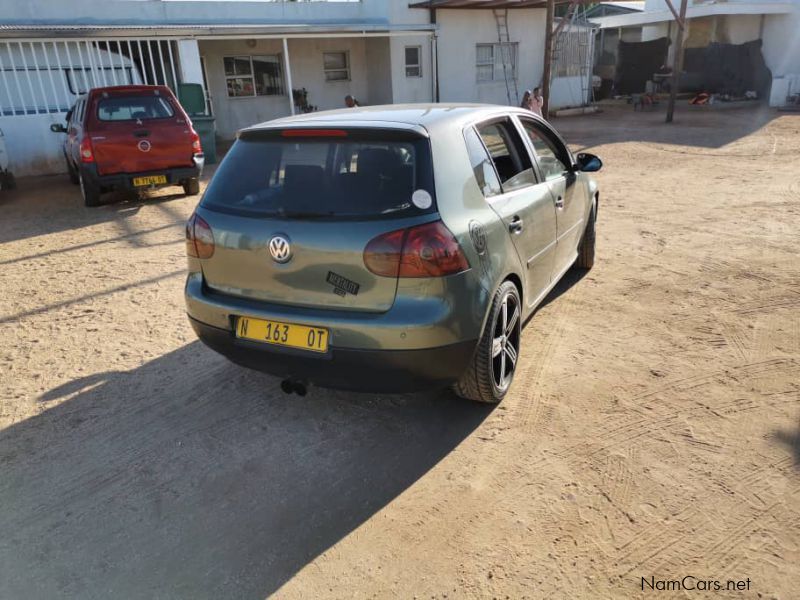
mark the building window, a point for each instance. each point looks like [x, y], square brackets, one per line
[336, 65]
[493, 62]
[413, 61]
[247, 76]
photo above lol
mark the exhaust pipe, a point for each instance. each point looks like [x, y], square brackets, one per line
[289, 386]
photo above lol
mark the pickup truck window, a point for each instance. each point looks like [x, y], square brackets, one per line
[132, 108]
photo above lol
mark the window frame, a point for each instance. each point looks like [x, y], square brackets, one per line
[346, 69]
[474, 130]
[252, 75]
[509, 120]
[494, 46]
[417, 66]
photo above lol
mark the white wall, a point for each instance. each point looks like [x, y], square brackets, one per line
[32, 148]
[379, 77]
[305, 57]
[782, 43]
[568, 91]
[461, 30]
[411, 89]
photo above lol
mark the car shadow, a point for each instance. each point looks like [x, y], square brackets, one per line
[792, 441]
[190, 477]
[51, 204]
[569, 279]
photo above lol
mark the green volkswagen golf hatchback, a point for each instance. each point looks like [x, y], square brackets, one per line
[390, 248]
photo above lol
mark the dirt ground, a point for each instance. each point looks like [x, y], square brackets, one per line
[653, 429]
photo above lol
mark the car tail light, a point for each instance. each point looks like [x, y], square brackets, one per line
[428, 250]
[87, 155]
[197, 148]
[199, 238]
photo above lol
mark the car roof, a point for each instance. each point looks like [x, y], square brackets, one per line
[429, 117]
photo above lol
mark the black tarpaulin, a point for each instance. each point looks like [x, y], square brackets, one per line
[727, 69]
[636, 63]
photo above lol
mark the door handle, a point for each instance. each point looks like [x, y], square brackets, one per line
[141, 133]
[560, 202]
[516, 225]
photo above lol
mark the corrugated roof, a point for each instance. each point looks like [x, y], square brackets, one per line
[475, 4]
[202, 29]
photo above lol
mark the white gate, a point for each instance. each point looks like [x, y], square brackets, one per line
[45, 76]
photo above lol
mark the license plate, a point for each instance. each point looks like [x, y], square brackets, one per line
[291, 335]
[149, 180]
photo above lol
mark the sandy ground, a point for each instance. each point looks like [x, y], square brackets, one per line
[653, 429]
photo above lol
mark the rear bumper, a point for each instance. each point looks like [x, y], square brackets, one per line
[379, 371]
[124, 181]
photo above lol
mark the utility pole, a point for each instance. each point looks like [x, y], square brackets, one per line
[548, 56]
[677, 58]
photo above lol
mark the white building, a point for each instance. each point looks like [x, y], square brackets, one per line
[775, 22]
[249, 56]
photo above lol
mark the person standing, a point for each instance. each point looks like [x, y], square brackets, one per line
[537, 101]
[527, 100]
[350, 101]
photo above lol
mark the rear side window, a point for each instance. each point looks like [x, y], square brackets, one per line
[482, 166]
[134, 108]
[510, 158]
[355, 174]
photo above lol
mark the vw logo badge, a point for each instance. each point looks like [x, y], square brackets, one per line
[280, 249]
[144, 146]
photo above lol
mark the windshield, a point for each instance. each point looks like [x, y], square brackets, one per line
[353, 175]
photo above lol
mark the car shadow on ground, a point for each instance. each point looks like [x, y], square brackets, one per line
[190, 477]
[50, 204]
[791, 439]
[570, 278]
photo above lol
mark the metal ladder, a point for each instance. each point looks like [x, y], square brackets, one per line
[504, 39]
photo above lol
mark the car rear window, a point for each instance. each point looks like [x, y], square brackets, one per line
[134, 108]
[333, 174]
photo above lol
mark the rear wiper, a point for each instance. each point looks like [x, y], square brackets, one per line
[296, 214]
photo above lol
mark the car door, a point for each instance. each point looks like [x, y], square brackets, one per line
[525, 205]
[554, 161]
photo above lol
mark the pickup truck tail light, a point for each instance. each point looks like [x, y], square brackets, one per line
[199, 238]
[197, 148]
[428, 250]
[87, 154]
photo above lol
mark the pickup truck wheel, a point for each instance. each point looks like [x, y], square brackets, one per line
[191, 187]
[73, 174]
[489, 375]
[586, 249]
[7, 181]
[90, 192]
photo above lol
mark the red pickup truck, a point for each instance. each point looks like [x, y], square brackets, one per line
[130, 137]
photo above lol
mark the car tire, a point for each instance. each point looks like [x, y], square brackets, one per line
[586, 249]
[7, 181]
[491, 372]
[73, 174]
[191, 187]
[89, 191]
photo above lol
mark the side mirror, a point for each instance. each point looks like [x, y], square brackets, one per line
[588, 163]
[58, 128]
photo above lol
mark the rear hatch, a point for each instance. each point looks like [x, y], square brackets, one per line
[292, 212]
[139, 131]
